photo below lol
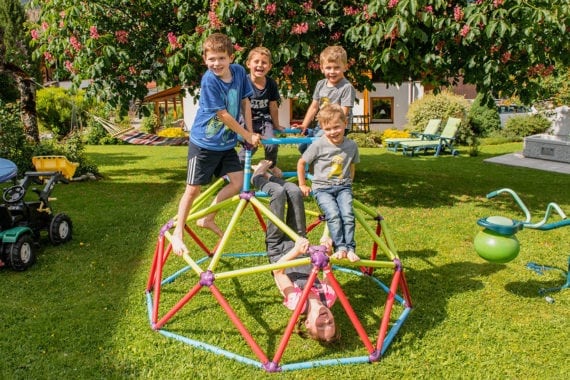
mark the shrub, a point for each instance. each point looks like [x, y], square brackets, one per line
[395, 133]
[517, 127]
[483, 116]
[172, 132]
[59, 111]
[367, 140]
[149, 123]
[13, 144]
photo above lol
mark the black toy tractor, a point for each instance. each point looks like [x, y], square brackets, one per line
[22, 221]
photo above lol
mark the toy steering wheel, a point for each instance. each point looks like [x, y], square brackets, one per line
[13, 194]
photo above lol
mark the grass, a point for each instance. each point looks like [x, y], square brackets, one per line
[80, 312]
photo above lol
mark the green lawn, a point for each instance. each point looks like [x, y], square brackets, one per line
[81, 312]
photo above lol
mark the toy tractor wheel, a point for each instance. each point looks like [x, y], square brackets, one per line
[21, 254]
[60, 229]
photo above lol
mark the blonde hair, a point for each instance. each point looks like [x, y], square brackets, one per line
[331, 112]
[218, 43]
[261, 51]
[335, 54]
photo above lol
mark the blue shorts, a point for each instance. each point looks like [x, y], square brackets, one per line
[203, 164]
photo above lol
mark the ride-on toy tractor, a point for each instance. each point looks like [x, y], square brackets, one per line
[22, 222]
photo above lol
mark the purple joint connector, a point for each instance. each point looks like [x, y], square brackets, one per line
[375, 356]
[246, 195]
[319, 256]
[166, 227]
[398, 264]
[207, 278]
[271, 367]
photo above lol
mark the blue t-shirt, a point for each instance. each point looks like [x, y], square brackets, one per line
[208, 131]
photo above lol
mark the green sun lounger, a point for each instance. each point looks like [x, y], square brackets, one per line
[429, 133]
[440, 145]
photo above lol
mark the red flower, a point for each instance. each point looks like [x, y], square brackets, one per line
[287, 70]
[271, 9]
[173, 41]
[300, 28]
[93, 31]
[122, 36]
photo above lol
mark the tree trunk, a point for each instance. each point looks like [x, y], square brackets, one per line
[28, 113]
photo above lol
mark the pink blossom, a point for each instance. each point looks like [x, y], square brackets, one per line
[392, 3]
[48, 56]
[200, 29]
[506, 57]
[312, 65]
[237, 47]
[428, 9]
[300, 28]
[215, 22]
[271, 9]
[69, 67]
[287, 70]
[132, 70]
[457, 13]
[336, 36]
[93, 32]
[464, 31]
[75, 43]
[321, 24]
[62, 14]
[350, 11]
[122, 36]
[307, 6]
[173, 41]
[45, 26]
[35, 34]
[498, 3]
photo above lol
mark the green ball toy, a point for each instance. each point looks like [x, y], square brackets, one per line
[495, 247]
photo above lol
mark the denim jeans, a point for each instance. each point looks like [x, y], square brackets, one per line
[336, 203]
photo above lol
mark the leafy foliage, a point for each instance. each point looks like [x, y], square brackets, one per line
[122, 45]
[59, 111]
[518, 127]
[483, 116]
[13, 145]
[367, 140]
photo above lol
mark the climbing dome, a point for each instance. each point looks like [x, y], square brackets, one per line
[222, 299]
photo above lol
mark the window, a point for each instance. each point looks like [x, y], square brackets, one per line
[382, 110]
[298, 111]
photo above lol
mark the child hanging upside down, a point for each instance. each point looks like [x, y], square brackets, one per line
[319, 320]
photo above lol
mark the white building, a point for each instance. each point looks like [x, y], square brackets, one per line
[385, 107]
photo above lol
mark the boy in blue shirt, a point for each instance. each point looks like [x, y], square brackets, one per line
[224, 95]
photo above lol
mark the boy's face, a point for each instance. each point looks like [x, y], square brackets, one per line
[333, 71]
[258, 65]
[334, 130]
[219, 63]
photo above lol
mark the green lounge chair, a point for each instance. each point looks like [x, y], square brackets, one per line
[429, 133]
[442, 143]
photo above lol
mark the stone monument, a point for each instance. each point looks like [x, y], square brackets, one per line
[554, 145]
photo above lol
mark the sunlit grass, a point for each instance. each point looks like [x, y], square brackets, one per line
[81, 311]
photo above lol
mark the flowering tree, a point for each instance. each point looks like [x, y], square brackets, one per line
[121, 45]
[15, 61]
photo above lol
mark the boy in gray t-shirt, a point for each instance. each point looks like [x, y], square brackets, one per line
[334, 88]
[333, 158]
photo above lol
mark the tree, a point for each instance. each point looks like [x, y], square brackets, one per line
[121, 45]
[15, 60]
